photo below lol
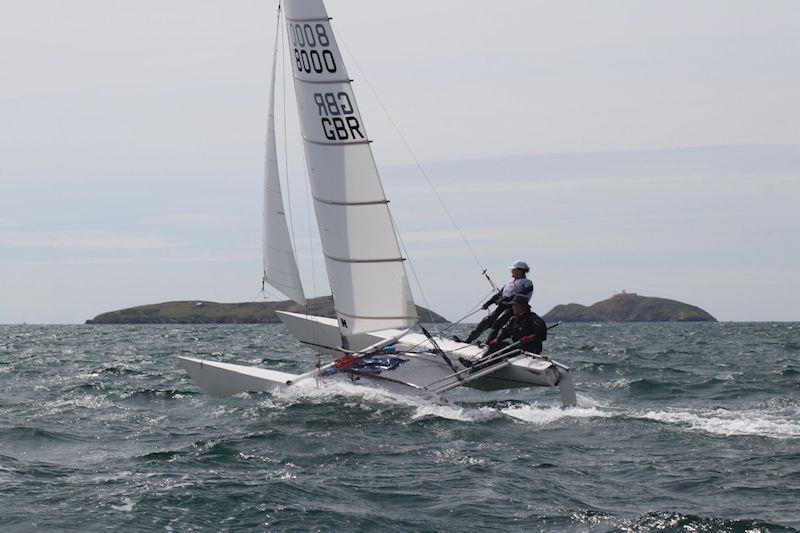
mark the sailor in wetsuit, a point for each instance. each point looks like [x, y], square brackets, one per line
[518, 284]
[525, 326]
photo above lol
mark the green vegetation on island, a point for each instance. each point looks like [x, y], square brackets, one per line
[201, 312]
[629, 307]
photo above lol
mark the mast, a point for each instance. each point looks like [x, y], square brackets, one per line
[280, 264]
[362, 256]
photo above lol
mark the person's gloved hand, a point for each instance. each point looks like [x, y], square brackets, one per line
[528, 338]
[494, 342]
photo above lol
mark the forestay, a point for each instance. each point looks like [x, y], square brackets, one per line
[362, 255]
[280, 265]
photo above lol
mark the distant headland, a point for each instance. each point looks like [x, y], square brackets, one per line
[201, 312]
[629, 307]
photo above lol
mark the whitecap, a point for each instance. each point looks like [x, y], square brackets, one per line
[451, 456]
[547, 415]
[454, 412]
[308, 392]
[363, 397]
[730, 423]
[126, 507]
[621, 383]
[588, 401]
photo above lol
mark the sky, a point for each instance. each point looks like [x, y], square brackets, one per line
[650, 147]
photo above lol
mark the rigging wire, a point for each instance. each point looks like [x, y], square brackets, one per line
[430, 184]
[414, 273]
[413, 156]
[475, 308]
[391, 217]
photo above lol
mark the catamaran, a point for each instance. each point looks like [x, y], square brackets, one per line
[370, 338]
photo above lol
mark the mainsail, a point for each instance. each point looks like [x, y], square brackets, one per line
[362, 256]
[280, 265]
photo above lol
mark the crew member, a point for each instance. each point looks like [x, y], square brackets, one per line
[524, 326]
[519, 284]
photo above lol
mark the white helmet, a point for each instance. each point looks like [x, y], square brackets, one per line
[522, 265]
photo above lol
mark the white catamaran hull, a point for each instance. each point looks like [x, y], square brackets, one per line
[422, 372]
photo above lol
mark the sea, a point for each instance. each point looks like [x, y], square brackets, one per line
[679, 427]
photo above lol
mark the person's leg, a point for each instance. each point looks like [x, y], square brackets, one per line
[499, 323]
[484, 324]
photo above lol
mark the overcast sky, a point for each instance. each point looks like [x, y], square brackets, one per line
[652, 147]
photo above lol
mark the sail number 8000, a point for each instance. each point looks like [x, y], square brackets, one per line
[311, 60]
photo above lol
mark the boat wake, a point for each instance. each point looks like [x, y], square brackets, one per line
[757, 423]
[350, 395]
[536, 414]
[784, 424]
[781, 423]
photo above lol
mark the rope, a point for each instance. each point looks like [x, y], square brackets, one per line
[476, 308]
[435, 192]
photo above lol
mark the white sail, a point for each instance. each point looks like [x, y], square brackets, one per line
[280, 265]
[365, 268]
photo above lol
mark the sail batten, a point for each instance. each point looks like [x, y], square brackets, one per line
[410, 317]
[340, 143]
[280, 264]
[362, 255]
[343, 80]
[372, 260]
[330, 202]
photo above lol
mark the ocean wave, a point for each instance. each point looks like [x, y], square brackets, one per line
[335, 392]
[357, 396]
[550, 414]
[730, 423]
[753, 422]
[454, 412]
[451, 456]
[93, 402]
[595, 366]
[118, 371]
[163, 456]
[646, 386]
[145, 392]
[126, 506]
[23, 433]
[673, 521]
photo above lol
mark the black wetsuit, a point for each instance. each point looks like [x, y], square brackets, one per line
[520, 326]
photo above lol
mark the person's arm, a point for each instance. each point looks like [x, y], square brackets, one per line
[504, 332]
[493, 300]
[528, 342]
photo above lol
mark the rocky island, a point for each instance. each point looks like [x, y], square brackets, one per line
[629, 307]
[201, 312]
